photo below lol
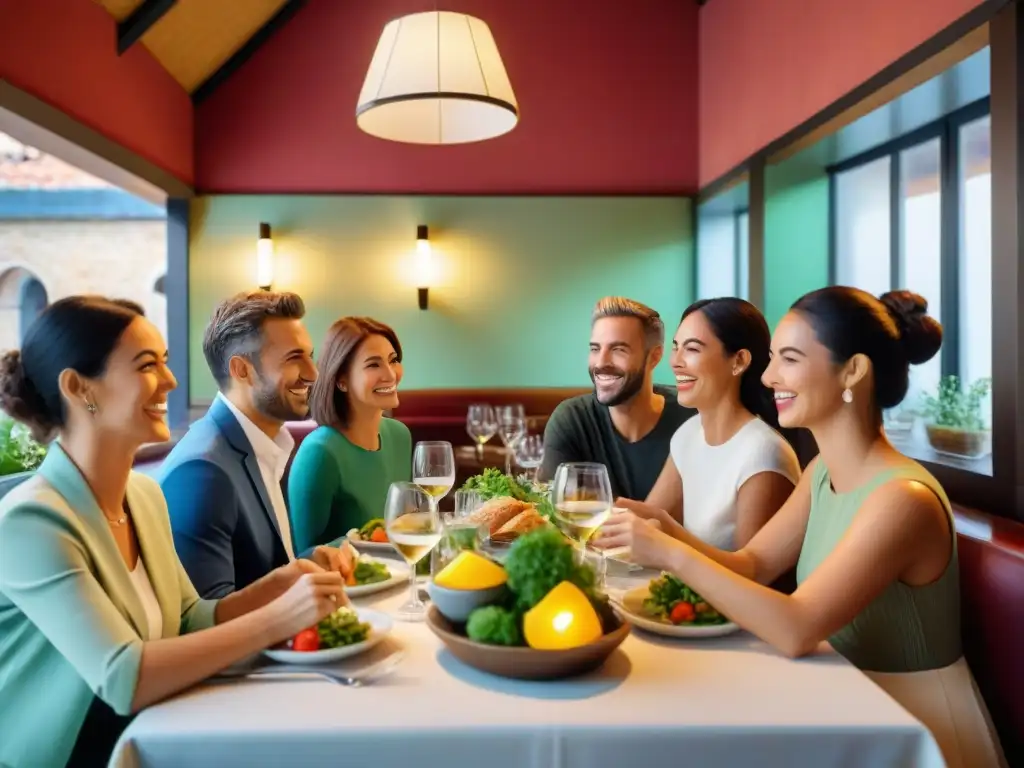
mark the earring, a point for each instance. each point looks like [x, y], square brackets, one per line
[847, 396]
[91, 407]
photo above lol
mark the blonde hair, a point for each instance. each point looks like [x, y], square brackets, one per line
[619, 306]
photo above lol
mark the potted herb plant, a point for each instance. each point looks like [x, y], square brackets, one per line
[955, 425]
[18, 451]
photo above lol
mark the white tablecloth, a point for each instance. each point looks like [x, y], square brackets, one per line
[657, 702]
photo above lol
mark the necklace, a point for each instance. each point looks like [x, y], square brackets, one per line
[120, 520]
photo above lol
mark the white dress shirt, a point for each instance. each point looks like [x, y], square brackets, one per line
[272, 458]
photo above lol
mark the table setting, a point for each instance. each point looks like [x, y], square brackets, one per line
[534, 654]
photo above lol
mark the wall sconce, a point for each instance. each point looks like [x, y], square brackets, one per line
[424, 265]
[264, 258]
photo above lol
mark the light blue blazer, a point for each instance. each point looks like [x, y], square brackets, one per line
[71, 623]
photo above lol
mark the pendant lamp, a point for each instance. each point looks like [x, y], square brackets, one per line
[436, 78]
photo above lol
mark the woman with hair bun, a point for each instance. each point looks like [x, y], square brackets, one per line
[869, 530]
[98, 619]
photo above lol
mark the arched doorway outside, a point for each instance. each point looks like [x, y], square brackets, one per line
[22, 297]
[33, 302]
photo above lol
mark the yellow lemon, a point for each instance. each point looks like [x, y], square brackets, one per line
[565, 618]
[471, 571]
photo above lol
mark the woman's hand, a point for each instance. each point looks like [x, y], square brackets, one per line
[648, 544]
[309, 599]
[643, 510]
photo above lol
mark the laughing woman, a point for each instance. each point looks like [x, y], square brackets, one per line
[340, 476]
[869, 530]
[728, 470]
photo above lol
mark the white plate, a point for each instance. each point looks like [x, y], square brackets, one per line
[633, 608]
[399, 575]
[371, 546]
[380, 625]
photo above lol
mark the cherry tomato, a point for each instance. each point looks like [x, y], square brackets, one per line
[306, 640]
[682, 612]
[379, 535]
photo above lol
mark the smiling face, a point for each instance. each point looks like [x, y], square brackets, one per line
[131, 395]
[704, 370]
[808, 384]
[281, 382]
[374, 373]
[620, 366]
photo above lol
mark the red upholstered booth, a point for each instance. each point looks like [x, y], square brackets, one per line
[992, 606]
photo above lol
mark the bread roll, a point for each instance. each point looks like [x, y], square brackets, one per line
[497, 511]
[522, 523]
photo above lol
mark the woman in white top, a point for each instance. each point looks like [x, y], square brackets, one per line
[728, 470]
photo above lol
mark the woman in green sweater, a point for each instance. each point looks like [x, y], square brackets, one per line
[341, 473]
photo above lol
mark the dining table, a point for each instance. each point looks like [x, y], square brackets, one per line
[656, 701]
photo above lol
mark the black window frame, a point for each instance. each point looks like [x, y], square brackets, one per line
[947, 130]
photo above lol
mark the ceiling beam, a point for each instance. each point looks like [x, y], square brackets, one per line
[243, 54]
[142, 18]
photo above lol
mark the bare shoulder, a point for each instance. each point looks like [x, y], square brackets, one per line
[909, 503]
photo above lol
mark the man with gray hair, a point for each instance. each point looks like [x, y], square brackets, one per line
[626, 423]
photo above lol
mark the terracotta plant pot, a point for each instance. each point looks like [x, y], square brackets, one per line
[967, 444]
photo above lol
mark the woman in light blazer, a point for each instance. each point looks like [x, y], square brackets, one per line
[97, 617]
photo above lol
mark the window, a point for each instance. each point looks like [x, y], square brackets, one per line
[723, 260]
[917, 214]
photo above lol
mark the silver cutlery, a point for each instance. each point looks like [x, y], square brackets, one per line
[357, 679]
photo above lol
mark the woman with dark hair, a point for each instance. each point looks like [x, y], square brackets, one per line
[98, 619]
[342, 470]
[869, 530]
[728, 470]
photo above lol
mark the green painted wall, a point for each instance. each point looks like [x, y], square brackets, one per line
[796, 234]
[516, 277]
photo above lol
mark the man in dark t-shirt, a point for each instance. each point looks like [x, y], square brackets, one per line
[626, 423]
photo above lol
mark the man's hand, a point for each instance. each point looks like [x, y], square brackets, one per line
[338, 559]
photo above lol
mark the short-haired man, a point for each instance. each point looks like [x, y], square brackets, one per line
[626, 423]
[223, 479]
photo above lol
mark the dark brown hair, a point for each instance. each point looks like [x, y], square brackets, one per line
[894, 331]
[328, 406]
[236, 328]
[77, 332]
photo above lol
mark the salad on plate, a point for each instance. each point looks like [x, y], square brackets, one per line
[672, 601]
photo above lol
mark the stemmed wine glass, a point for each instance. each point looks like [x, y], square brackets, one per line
[482, 425]
[414, 528]
[530, 453]
[511, 429]
[433, 469]
[581, 493]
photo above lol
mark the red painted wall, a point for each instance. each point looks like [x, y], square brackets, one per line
[768, 65]
[65, 53]
[607, 92]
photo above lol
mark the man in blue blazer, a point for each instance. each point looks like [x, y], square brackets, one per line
[223, 479]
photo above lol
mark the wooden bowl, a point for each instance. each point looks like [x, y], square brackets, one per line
[524, 663]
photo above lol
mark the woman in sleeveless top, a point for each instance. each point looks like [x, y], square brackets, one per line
[728, 470]
[869, 530]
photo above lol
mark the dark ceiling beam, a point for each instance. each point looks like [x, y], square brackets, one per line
[139, 23]
[243, 54]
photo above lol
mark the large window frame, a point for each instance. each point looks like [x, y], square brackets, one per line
[947, 131]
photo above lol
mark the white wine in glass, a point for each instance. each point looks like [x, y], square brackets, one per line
[433, 469]
[481, 425]
[581, 494]
[414, 528]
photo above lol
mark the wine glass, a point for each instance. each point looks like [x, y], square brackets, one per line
[433, 469]
[414, 528]
[511, 429]
[530, 453]
[482, 425]
[582, 497]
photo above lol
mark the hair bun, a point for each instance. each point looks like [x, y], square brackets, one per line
[920, 333]
[20, 399]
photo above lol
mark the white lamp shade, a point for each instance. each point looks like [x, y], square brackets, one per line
[437, 78]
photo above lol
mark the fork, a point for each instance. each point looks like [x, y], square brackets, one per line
[355, 680]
